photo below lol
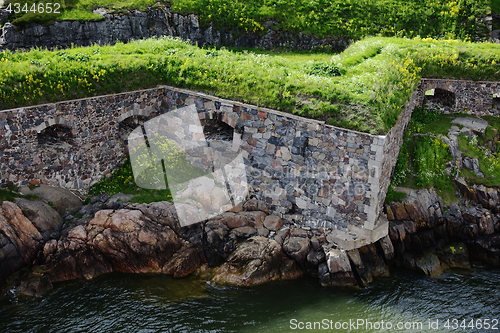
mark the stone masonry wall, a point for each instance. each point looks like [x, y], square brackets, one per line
[310, 173]
[154, 22]
[471, 96]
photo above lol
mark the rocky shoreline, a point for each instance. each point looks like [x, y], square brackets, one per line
[244, 247]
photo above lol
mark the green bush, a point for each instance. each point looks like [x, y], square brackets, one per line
[353, 19]
[325, 69]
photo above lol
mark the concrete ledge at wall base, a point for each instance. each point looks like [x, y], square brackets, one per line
[358, 237]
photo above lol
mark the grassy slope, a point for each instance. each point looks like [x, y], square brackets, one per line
[379, 75]
[346, 18]
[73, 10]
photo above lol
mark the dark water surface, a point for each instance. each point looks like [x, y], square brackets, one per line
[151, 303]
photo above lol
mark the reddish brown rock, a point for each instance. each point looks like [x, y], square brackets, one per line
[257, 261]
[184, 262]
[273, 222]
[399, 211]
[256, 205]
[252, 219]
[373, 260]
[390, 215]
[22, 242]
[115, 241]
[297, 248]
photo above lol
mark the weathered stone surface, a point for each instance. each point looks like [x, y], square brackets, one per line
[429, 264]
[184, 262]
[281, 235]
[273, 223]
[245, 232]
[160, 21]
[297, 248]
[44, 218]
[34, 285]
[364, 277]
[387, 248]
[339, 271]
[374, 262]
[252, 219]
[21, 240]
[162, 212]
[485, 224]
[468, 192]
[485, 249]
[255, 262]
[399, 211]
[256, 205]
[116, 201]
[114, 241]
[64, 202]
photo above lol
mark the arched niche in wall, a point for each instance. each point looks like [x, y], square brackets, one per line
[127, 125]
[56, 136]
[439, 99]
[217, 130]
[129, 121]
[222, 140]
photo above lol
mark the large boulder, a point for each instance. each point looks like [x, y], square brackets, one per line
[421, 206]
[45, 218]
[63, 201]
[185, 261]
[338, 270]
[374, 261]
[20, 241]
[297, 248]
[114, 241]
[162, 212]
[254, 262]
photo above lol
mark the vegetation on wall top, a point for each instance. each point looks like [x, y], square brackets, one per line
[352, 19]
[364, 88]
[346, 18]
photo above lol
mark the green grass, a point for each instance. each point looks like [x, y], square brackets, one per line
[10, 194]
[430, 122]
[393, 195]
[423, 157]
[122, 181]
[495, 6]
[471, 178]
[422, 164]
[378, 75]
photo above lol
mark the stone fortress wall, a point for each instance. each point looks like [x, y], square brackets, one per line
[309, 173]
